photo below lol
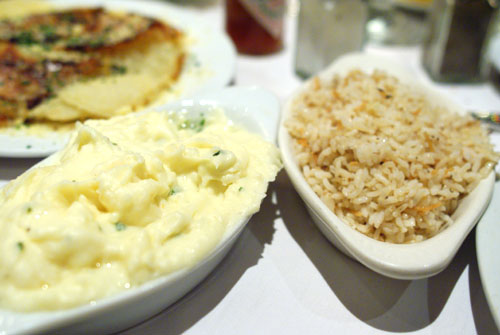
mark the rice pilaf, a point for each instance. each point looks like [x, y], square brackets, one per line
[383, 158]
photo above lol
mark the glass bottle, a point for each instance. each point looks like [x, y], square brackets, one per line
[327, 29]
[494, 53]
[397, 22]
[255, 26]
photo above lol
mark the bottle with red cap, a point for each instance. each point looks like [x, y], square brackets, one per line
[255, 26]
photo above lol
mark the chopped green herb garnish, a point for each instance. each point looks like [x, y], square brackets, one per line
[174, 190]
[70, 17]
[240, 189]
[1, 83]
[25, 82]
[29, 210]
[120, 226]
[20, 246]
[194, 61]
[74, 41]
[28, 146]
[118, 69]
[49, 32]
[57, 79]
[50, 92]
[97, 42]
[193, 124]
[25, 38]
[217, 153]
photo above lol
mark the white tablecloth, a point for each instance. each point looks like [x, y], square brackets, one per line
[284, 277]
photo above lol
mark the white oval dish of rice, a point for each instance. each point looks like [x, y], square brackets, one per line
[378, 158]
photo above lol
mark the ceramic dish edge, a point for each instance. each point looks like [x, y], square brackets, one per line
[487, 250]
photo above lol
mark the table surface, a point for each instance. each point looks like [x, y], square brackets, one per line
[283, 276]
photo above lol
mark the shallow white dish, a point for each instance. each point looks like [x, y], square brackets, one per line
[487, 250]
[255, 109]
[210, 64]
[408, 261]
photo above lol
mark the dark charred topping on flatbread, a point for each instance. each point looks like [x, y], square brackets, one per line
[75, 46]
[77, 29]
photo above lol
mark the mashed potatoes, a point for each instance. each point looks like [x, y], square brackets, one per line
[127, 200]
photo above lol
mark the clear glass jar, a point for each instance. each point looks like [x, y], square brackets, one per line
[326, 30]
[397, 22]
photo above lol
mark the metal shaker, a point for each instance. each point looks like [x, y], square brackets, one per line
[456, 47]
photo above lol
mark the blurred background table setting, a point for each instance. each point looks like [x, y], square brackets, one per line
[283, 275]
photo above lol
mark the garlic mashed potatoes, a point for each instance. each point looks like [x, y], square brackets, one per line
[127, 200]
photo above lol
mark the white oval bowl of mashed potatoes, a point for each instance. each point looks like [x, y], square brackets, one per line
[133, 212]
[373, 188]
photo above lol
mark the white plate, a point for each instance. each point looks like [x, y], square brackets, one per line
[210, 64]
[255, 109]
[401, 261]
[488, 251]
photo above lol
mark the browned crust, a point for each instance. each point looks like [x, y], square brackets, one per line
[27, 80]
[85, 30]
